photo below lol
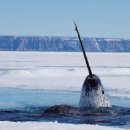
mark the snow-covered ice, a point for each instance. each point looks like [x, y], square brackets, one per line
[64, 71]
[50, 126]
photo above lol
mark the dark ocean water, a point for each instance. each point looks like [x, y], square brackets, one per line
[39, 105]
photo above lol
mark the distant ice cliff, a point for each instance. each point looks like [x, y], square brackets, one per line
[67, 44]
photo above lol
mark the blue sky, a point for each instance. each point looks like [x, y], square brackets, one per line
[95, 18]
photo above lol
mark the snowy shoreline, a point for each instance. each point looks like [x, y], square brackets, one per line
[6, 125]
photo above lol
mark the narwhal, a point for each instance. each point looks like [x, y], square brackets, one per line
[92, 93]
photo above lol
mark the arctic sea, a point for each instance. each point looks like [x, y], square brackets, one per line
[42, 79]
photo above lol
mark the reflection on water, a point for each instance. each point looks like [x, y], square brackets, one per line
[20, 98]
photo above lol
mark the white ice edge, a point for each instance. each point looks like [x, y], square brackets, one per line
[6, 125]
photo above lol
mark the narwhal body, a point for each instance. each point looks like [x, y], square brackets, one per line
[92, 93]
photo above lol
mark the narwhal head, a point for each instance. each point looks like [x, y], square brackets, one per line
[93, 83]
[92, 93]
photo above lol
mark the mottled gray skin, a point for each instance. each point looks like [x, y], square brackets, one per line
[92, 93]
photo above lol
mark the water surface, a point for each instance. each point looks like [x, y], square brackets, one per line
[30, 104]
